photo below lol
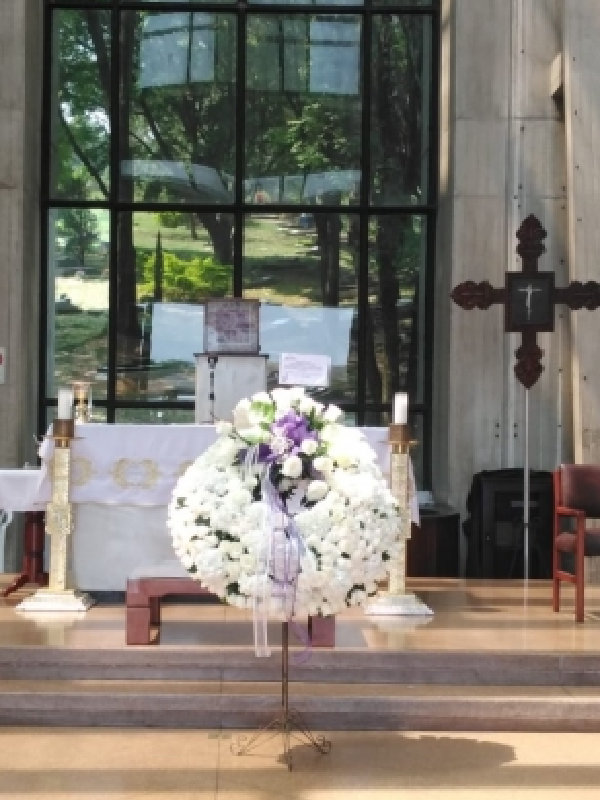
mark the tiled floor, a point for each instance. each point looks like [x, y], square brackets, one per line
[468, 615]
[115, 764]
[71, 764]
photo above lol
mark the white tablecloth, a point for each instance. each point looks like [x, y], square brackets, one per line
[122, 480]
[24, 489]
[129, 464]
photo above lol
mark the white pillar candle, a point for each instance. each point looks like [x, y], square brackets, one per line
[65, 404]
[400, 408]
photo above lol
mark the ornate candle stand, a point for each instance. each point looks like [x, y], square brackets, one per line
[396, 600]
[59, 596]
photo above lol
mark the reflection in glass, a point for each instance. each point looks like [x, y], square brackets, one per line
[396, 315]
[303, 268]
[400, 109]
[177, 105]
[303, 115]
[173, 266]
[80, 101]
[77, 324]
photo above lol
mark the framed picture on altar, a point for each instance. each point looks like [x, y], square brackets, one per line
[529, 302]
[231, 326]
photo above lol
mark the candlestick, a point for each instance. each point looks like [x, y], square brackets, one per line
[65, 404]
[400, 408]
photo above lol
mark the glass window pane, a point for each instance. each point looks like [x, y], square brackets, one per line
[169, 263]
[80, 104]
[400, 109]
[177, 107]
[304, 270]
[303, 110]
[97, 414]
[396, 314]
[181, 2]
[306, 2]
[77, 327]
[158, 416]
[407, 3]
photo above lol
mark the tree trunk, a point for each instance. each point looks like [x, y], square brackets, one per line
[220, 231]
[328, 228]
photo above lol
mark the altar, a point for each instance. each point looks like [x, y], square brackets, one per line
[122, 479]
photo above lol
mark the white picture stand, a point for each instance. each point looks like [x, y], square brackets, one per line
[223, 380]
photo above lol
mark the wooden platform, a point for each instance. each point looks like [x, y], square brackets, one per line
[493, 657]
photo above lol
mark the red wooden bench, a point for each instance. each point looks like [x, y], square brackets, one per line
[148, 586]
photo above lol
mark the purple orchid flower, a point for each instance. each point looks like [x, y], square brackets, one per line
[293, 426]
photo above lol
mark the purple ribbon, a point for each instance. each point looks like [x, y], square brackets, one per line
[279, 571]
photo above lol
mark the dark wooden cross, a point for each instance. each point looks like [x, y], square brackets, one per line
[529, 298]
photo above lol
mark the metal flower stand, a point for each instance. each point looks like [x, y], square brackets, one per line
[289, 722]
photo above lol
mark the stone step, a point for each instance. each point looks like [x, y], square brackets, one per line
[324, 706]
[484, 668]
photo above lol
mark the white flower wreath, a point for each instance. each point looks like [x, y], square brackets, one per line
[284, 480]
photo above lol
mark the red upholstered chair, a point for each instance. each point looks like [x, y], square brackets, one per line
[576, 499]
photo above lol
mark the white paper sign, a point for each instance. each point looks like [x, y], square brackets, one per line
[298, 369]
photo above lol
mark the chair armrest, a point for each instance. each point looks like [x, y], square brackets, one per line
[565, 511]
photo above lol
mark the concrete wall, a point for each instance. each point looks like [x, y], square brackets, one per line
[581, 63]
[20, 113]
[502, 158]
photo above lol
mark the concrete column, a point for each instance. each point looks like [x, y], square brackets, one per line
[581, 64]
[20, 113]
[502, 157]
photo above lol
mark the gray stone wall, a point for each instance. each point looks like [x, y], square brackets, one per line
[502, 158]
[20, 113]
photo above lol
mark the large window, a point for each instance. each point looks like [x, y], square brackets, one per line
[284, 152]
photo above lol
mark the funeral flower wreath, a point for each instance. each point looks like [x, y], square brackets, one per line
[288, 504]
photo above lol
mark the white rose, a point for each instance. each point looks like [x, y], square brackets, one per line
[292, 467]
[281, 398]
[332, 413]
[306, 405]
[323, 464]
[255, 417]
[261, 397]
[308, 447]
[329, 433]
[316, 490]
[223, 428]
[241, 418]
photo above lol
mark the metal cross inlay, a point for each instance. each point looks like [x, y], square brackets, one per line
[529, 298]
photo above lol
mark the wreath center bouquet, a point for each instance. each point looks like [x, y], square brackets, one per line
[287, 510]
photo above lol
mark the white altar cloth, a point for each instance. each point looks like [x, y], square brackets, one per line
[122, 481]
[23, 489]
[129, 464]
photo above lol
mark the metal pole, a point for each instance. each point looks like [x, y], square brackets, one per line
[526, 492]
